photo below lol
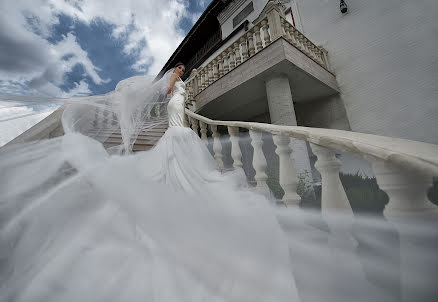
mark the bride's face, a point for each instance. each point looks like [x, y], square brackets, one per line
[180, 70]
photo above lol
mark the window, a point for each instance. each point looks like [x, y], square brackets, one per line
[243, 14]
[290, 16]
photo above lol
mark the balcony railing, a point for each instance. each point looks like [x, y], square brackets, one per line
[270, 28]
[404, 169]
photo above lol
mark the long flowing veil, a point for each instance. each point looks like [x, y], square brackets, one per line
[78, 223]
[136, 104]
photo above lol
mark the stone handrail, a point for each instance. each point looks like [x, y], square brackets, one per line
[403, 168]
[269, 28]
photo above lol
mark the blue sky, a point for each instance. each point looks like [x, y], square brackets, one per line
[64, 48]
[67, 48]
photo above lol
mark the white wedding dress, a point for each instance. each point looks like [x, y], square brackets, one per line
[161, 225]
[78, 224]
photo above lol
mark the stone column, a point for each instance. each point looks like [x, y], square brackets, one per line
[282, 112]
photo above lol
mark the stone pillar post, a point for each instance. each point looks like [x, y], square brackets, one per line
[273, 14]
[282, 112]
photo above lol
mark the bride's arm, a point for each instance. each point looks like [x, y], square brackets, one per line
[173, 79]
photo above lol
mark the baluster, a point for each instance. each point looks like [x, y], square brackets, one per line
[215, 73]
[407, 208]
[288, 174]
[311, 51]
[244, 49]
[292, 31]
[114, 121]
[201, 76]
[319, 55]
[237, 52]
[221, 66]
[236, 153]
[266, 36]
[283, 28]
[191, 89]
[188, 84]
[231, 55]
[259, 160]
[250, 38]
[322, 56]
[296, 36]
[186, 121]
[217, 147]
[105, 118]
[333, 195]
[96, 117]
[286, 29]
[225, 59]
[194, 124]
[203, 127]
[198, 78]
[258, 39]
[209, 74]
[407, 190]
[194, 76]
[302, 40]
[310, 47]
[157, 110]
[205, 73]
[323, 53]
[189, 121]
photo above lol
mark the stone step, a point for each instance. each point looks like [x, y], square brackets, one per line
[142, 135]
[118, 131]
[135, 148]
[145, 140]
[118, 141]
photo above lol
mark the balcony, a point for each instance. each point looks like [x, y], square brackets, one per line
[232, 84]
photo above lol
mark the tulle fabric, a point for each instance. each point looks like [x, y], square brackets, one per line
[137, 104]
[79, 223]
[166, 225]
[163, 225]
[129, 228]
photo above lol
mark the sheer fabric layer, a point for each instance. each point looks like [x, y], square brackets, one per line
[162, 225]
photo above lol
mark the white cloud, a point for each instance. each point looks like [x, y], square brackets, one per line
[18, 119]
[150, 28]
[143, 21]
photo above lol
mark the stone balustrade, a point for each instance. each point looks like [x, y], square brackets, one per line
[270, 28]
[404, 169]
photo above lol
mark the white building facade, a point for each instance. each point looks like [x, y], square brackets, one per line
[382, 53]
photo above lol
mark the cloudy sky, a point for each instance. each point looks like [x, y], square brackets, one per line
[65, 48]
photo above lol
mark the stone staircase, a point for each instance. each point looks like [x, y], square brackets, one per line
[145, 140]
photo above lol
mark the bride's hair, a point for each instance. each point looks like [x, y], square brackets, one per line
[179, 64]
